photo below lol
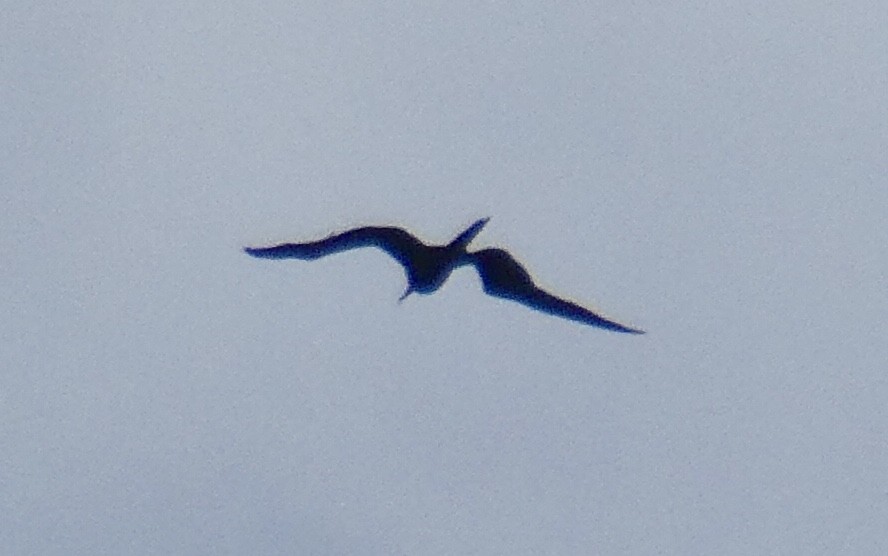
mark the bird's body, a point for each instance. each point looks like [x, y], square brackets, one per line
[428, 267]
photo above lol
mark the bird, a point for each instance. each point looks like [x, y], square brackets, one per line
[428, 266]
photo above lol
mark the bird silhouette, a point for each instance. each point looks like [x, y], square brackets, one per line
[428, 267]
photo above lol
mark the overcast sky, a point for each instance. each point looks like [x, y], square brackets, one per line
[712, 173]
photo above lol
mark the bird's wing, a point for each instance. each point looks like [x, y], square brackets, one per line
[543, 301]
[395, 241]
[503, 276]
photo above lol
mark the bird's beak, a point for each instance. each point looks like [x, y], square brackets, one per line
[407, 292]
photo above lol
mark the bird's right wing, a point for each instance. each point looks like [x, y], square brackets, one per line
[395, 241]
[503, 276]
[542, 300]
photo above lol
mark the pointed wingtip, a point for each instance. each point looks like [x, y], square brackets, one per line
[256, 252]
[617, 327]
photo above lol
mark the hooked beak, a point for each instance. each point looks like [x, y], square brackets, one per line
[407, 292]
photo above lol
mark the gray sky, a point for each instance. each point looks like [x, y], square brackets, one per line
[713, 174]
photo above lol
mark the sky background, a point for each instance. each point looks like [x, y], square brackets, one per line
[714, 174]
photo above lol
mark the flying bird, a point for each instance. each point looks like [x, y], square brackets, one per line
[428, 267]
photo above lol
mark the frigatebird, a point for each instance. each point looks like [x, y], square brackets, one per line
[428, 266]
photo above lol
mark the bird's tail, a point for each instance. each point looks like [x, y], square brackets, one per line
[462, 240]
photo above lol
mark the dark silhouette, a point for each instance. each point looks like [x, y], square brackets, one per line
[428, 266]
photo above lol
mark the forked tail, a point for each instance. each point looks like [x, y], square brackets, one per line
[462, 240]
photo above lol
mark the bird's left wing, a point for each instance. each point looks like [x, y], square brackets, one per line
[396, 242]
